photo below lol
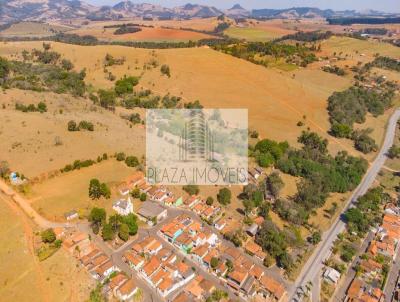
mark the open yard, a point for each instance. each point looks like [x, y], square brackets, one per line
[67, 192]
[23, 277]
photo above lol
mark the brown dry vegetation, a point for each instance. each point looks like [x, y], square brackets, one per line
[23, 278]
[155, 34]
[69, 191]
[28, 139]
[33, 29]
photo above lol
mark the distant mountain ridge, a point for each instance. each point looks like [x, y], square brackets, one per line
[48, 10]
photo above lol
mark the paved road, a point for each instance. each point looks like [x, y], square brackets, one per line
[393, 276]
[314, 264]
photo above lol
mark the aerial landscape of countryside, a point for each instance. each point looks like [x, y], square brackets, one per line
[310, 89]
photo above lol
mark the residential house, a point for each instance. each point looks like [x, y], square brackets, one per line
[237, 277]
[71, 215]
[331, 275]
[134, 260]
[220, 224]
[104, 270]
[271, 289]
[127, 290]
[191, 201]
[116, 282]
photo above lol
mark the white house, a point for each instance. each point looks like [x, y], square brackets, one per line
[331, 275]
[105, 270]
[123, 206]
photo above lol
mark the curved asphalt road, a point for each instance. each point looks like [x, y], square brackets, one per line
[313, 267]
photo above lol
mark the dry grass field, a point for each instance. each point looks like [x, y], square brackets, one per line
[260, 34]
[69, 191]
[202, 24]
[276, 99]
[23, 278]
[147, 34]
[29, 138]
[33, 29]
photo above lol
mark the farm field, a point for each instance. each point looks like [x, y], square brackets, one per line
[251, 34]
[23, 277]
[147, 34]
[33, 29]
[69, 191]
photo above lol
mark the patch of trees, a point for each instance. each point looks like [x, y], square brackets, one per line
[334, 69]
[361, 20]
[268, 152]
[193, 105]
[98, 189]
[84, 40]
[351, 106]
[41, 77]
[255, 52]
[375, 31]
[363, 142]
[4, 70]
[386, 63]
[322, 173]
[40, 107]
[224, 196]
[221, 27]
[191, 189]
[125, 85]
[367, 211]
[310, 36]
[275, 242]
[78, 164]
[274, 184]
[109, 60]
[46, 56]
[134, 118]
[127, 29]
[124, 226]
[83, 125]
[394, 152]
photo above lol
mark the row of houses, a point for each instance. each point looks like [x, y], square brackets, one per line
[367, 285]
[242, 275]
[158, 266]
[99, 265]
[187, 234]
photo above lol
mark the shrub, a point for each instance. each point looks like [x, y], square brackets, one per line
[120, 156]
[48, 236]
[72, 126]
[165, 70]
[125, 85]
[224, 196]
[131, 161]
[191, 189]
